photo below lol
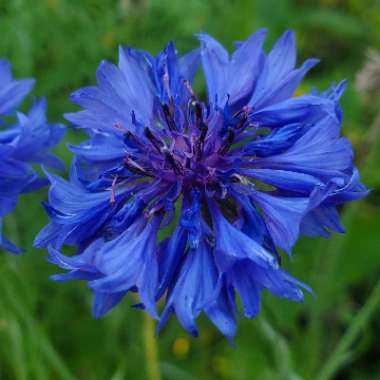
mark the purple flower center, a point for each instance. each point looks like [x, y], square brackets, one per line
[194, 156]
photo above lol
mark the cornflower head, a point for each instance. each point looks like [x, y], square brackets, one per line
[25, 139]
[191, 201]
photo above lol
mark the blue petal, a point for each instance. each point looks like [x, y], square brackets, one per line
[282, 57]
[129, 261]
[284, 179]
[305, 109]
[139, 86]
[283, 88]
[103, 303]
[316, 153]
[12, 92]
[73, 203]
[248, 289]
[276, 142]
[34, 137]
[222, 313]
[120, 91]
[280, 284]
[191, 218]
[215, 61]
[322, 215]
[169, 258]
[195, 289]
[351, 191]
[320, 220]
[188, 65]
[233, 245]
[276, 281]
[244, 67]
[74, 275]
[279, 62]
[48, 234]
[282, 216]
[98, 108]
[102, 147]
[79, 213]
[83, 262]
[253, 224]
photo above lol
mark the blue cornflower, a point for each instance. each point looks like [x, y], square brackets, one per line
[173, 197]
[25, 139]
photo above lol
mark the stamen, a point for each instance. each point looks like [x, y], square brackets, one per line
[239, 178]
[154, 210]
[134, 167]
[204, 129]
[197, 106]
[177, 167]
[168, 117]
[153, 139]
[227, 142]
[113, 195]
[132, 138]
[200, 143]
[242, 121]
[189, 88]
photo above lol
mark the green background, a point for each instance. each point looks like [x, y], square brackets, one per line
[46, 330]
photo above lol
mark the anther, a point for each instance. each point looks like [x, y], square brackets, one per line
[168, 117]
[200, 143]
[227, 142]
[189, 88]
[113, 193]
[132, 138]
[177, 167]
[240, 179]
[134, 167]
[242, 121]
[153, 139]
[197, 107]
[204, 129]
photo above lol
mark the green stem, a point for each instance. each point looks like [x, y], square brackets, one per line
[281, 352]
[151, 352]
[341, 352]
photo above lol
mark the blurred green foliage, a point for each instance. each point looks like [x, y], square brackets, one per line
[46, 330]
